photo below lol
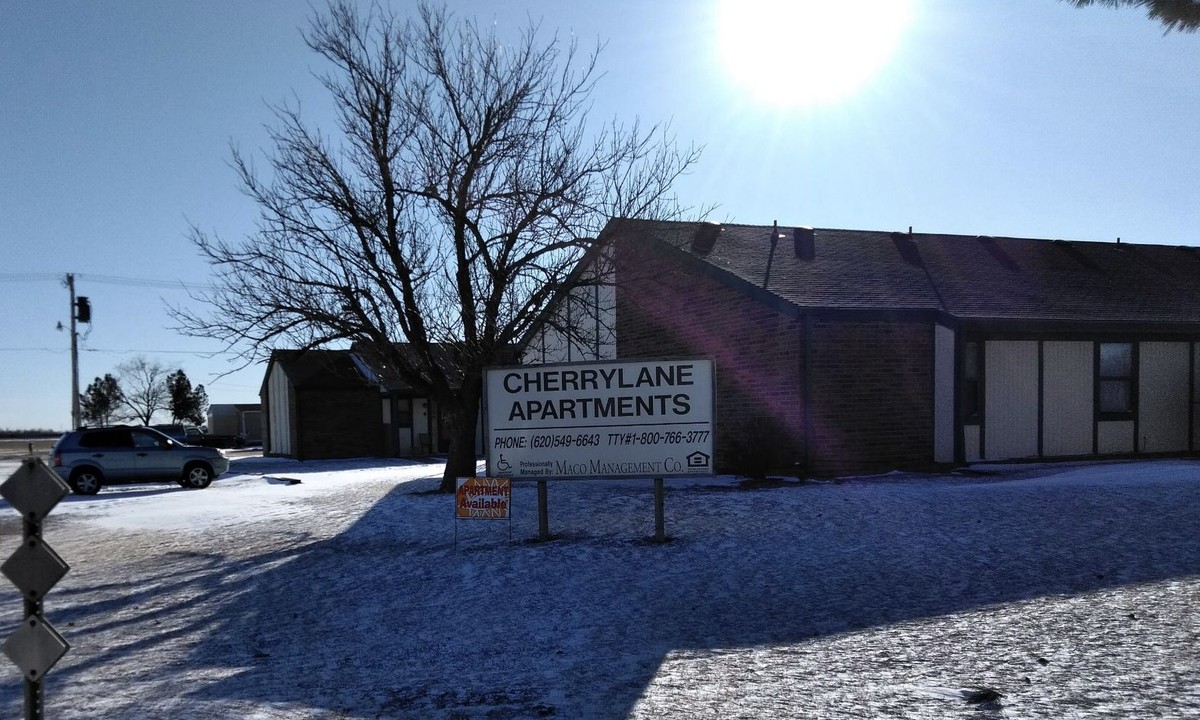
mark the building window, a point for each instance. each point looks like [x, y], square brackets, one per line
[1115, 391]
[972, 385]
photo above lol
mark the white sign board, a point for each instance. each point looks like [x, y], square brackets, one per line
[644, 418]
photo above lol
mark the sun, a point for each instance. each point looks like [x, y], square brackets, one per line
[803, 52]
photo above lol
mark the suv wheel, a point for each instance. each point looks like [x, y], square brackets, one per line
[197, 476]
[86, 481]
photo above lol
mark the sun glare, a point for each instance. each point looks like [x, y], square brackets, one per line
[801, 52]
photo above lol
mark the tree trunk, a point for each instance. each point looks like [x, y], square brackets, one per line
[461, 424]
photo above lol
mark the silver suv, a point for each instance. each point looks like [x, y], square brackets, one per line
[90, 458]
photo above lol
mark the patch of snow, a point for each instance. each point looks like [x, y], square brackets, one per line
[1069, 590]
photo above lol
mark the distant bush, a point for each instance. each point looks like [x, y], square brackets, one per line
[6, 434]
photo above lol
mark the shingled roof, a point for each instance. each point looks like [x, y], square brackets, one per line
[968, 277]
[390, 377]
[321, 369]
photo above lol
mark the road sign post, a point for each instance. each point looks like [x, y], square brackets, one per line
[34, 490]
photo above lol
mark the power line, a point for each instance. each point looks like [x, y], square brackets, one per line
[30, 277]
[144, 282]
[106, 280]
[166, 352]
[130, 350]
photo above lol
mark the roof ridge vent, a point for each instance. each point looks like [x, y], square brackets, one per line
[705, 237]
[804, 240]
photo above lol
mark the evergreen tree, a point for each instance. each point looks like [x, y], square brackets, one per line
[199, 405]
[100, 400]
[185, 403]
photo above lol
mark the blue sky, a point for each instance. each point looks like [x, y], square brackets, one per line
[1026, 118]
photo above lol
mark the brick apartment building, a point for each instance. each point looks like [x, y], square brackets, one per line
[847, 351]
[321, 404]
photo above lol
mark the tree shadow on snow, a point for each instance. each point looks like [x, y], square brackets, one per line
[389, 619]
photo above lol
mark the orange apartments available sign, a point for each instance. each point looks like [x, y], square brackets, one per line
[486, 498]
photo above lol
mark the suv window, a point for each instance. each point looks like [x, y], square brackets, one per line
[106, 438]
[145, 439]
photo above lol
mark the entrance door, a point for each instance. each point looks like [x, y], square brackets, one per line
[402, 418]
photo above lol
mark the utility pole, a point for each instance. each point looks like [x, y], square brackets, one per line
[81, 311]
[74, 357]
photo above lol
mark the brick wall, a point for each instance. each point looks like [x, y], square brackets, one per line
[666, 310]
[872, 395]
[339, 424]
[872, 381]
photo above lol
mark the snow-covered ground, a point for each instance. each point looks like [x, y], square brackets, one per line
[1073, 591]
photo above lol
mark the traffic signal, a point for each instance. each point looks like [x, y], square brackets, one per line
[83, 309]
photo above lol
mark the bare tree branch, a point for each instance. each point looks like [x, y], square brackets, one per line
[144, 388]
[461, 187]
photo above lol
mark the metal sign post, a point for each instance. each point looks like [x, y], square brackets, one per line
[660, 524]
[543, 512]
[34, 490]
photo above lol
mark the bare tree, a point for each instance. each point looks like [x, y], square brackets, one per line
[464, 183]
[1183, 15]
[144, 388]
